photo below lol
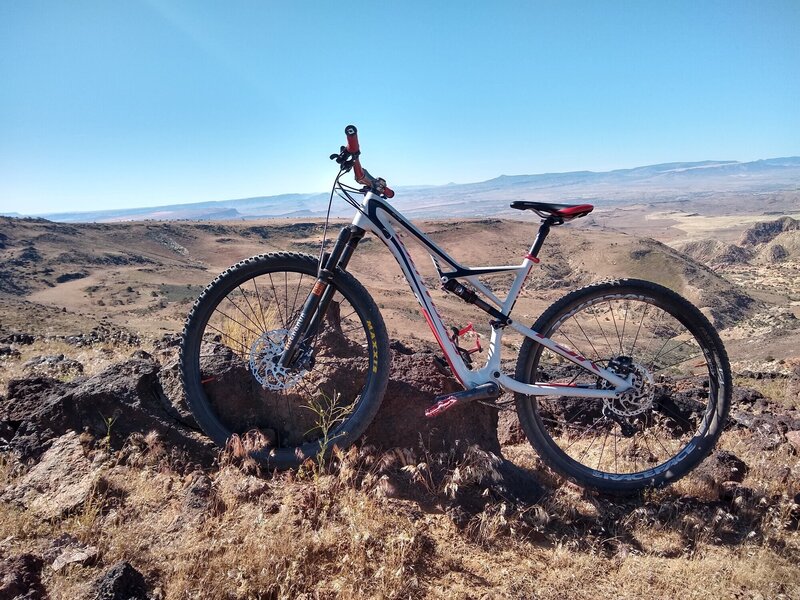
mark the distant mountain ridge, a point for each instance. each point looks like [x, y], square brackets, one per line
[679, 182]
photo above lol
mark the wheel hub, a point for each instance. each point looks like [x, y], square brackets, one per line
[265, 355]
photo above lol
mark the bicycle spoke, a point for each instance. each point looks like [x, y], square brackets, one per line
[245, 327]
[648, 427]
[285, 322]
[638, 329]
[613, 318]
[260, 306]
[596, 353]
[600, 327]
[261, 325]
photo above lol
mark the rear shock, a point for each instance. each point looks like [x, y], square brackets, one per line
[470, 297]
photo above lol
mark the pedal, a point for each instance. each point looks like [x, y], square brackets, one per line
[485, 391]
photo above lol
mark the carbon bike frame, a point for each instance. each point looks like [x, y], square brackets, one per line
[377, 216]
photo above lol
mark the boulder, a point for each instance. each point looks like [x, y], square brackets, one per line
[20, 578]
[121, 582]
[509, 430]
[414, 382]
[170, 379]
[58, 484]
[124, 399]
[81, 555]
[722, 466]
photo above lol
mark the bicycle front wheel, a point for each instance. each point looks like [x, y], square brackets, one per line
[664, 425]
[234, 384]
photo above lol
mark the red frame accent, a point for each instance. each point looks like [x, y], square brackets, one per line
[532, 258]
[467, 329]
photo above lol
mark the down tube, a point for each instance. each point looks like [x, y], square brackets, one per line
[429, 311]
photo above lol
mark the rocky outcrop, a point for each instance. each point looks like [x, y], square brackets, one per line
[128, 398]
[768, 422]
[414, 382]
[715, 253]
[764, 232]
[124, 399]
[60, 483]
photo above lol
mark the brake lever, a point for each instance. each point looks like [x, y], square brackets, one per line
[345, 159]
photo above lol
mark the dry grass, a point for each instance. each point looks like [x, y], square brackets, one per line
[338, 534]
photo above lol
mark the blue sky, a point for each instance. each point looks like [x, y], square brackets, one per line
[110, 104]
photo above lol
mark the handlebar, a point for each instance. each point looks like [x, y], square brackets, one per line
[361, 174]
[352, 139]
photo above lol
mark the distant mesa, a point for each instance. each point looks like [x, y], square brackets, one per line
[676, 182]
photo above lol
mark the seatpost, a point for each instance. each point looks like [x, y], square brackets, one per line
[541, 235]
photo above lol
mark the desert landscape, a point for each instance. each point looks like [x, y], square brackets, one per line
[109, 490]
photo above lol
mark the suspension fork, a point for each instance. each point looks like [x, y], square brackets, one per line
[316, 305]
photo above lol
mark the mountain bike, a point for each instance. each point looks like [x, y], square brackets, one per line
[619, 385]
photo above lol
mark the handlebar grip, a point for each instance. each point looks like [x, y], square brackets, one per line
[352, 139]
[388, 192]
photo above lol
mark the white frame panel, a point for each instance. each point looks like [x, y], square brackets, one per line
[375, 216]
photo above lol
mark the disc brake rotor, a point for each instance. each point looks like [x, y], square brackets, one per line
[638, 398]
[264, 362]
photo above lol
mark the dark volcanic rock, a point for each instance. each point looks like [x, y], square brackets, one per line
[723, 466]
[123, 399]
[767, 420]
[414, 383]
[509, 430]
[61, 482]
[20, 578]
[101, 334]
[7, 351]
[53, 365]
[121, 582]
[23, 339]
[170, 379]
[63, 278]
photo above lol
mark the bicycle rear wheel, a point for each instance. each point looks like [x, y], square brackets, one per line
[665, 425]
[231, 341]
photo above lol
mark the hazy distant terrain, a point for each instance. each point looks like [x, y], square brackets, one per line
[715, 186]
